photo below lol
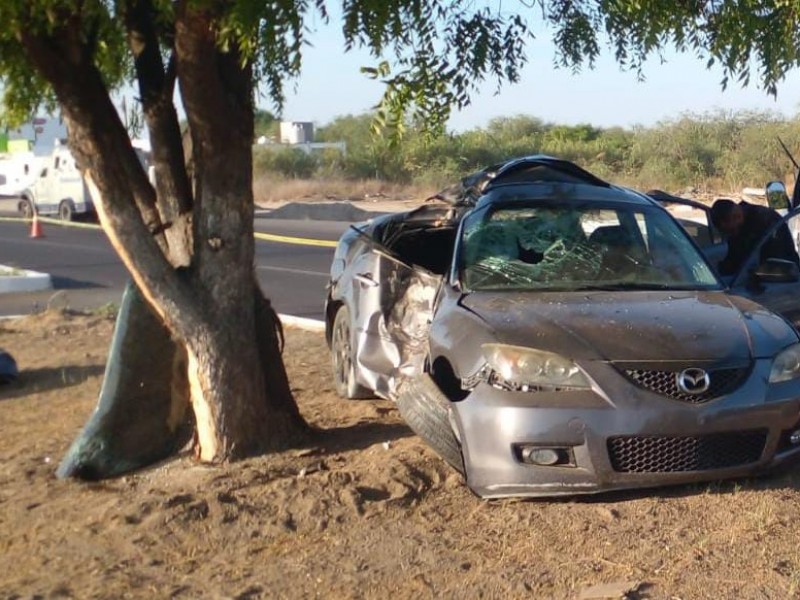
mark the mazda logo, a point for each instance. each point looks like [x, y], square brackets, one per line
[693, 381]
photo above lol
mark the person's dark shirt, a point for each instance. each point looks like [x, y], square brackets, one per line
[756, 222]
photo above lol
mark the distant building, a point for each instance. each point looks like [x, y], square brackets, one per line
[300, 136]
[297, 132]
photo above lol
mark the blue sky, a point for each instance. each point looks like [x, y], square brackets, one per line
[331, 85]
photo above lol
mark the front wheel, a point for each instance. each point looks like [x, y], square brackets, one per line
[65, 211]
[426, 410]
[25, 208]
[344, 371]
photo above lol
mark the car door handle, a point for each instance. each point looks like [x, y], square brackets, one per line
[365, 279]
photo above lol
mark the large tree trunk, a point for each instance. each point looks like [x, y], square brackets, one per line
[240, 394]
[229, 423]
[243, 427]
[213, 83]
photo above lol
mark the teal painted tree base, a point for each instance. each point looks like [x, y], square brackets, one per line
[142, 415]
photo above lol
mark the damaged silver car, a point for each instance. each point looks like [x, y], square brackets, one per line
[548, 333]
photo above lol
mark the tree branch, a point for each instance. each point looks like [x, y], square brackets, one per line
[66, 70]
[102, 148]
[156, 88]
[212, 82]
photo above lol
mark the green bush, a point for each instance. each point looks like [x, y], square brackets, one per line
[285, 161]
[719, 149]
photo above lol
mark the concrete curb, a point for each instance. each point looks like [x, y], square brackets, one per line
[25, 281]
[314, 325]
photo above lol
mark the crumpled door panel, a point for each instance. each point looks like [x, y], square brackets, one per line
[392, 320]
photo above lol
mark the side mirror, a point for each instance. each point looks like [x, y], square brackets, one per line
[43, 173]
[777, 270]
[777, 198]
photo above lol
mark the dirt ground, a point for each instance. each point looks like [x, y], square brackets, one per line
[366, 512]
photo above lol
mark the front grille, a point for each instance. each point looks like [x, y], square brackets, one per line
[642, 454]
[723, 381]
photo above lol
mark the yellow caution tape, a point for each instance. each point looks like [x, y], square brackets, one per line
[266, 237]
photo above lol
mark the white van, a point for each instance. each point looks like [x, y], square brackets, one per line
[18, 171]
[58, 190]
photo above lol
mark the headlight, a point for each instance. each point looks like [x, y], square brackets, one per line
[786, 365]
[526, 366]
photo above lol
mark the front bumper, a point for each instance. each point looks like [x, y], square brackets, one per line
[619, 436]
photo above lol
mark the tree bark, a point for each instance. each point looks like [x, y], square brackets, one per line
[286, 423]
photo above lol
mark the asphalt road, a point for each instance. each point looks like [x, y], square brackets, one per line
[87, 273]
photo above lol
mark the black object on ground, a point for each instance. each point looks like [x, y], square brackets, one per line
[8, 368]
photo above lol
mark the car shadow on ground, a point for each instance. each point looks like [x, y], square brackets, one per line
[90, 217]
[359, 436]
[33, 381]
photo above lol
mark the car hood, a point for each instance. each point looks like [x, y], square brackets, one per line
[633, 326]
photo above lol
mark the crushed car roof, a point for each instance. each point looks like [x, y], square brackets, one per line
[522, 191]
[540, 167]
[533, 169]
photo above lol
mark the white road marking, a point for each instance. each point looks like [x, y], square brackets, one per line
[316, 325]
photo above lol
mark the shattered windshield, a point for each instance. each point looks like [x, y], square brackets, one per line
[579, 247]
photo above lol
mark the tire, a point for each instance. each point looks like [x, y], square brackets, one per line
[426, 410]
[65, 211]
[342, 364]
[25, 208]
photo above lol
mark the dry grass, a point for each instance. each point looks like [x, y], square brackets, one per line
[270, 189]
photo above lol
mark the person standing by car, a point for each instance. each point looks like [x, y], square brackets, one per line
[744, 226]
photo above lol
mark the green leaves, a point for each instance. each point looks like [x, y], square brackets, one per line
[442, 52]
[432, 55]
[739, 35]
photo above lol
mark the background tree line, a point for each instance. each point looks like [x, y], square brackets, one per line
[718, 150]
